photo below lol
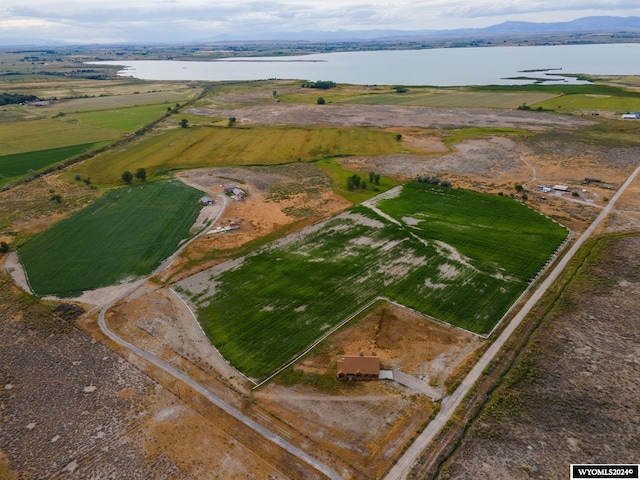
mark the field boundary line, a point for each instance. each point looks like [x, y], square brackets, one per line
[329, 332]
[547, 266]
[26, 276]
[195, 319]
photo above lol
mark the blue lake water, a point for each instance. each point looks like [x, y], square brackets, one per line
[438, 67]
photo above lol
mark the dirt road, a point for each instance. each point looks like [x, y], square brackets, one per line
[180, 375]
[451, 403]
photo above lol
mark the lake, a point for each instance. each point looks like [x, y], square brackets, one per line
[438, 67]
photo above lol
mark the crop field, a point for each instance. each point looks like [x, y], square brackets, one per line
[455, 98]
[20, 163]
[459, 256]
[44, 134]
[220, 146]
[125, 233]
[127, 119]
[592, 102]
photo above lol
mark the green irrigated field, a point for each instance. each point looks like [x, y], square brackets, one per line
[127, 232]
[128, 119]
[220, 146]
[458, 256]
[20, 163]
[48, 133]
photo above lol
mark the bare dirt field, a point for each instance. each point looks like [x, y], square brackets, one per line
[572, 396]
[388, 116]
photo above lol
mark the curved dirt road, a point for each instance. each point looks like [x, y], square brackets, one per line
[180, 375]
[451, 403]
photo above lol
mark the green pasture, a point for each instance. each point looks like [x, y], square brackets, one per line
[194, 147]
[127, 119]
[20, 163]
[110, 102]
[459, 256]
[453, 98]
[48, 133]
[126, 233]
[338, 175]
[591, 102]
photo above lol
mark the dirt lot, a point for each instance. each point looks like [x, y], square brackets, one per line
[389, 116]
[357, 426]
[277, 197]
[575, 395]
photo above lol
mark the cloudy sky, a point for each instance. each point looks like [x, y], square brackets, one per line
[108, 21]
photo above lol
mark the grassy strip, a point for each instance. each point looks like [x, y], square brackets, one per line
[127, 232]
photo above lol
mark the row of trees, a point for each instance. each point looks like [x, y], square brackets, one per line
[321, 84]
[354, 181]
[433, 180]
[15, 98]
[141, 174]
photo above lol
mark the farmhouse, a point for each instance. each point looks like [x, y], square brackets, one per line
[235, 192]
[359, 367]
[206, 201]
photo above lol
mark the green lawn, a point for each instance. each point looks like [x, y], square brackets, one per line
[459, 256]
[125, 233]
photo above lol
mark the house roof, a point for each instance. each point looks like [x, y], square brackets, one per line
[359, 364]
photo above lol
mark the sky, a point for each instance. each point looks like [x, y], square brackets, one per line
[115, 21]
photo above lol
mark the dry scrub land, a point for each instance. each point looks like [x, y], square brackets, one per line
[91, 409]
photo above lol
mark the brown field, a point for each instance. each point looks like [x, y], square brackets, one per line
[139, 422]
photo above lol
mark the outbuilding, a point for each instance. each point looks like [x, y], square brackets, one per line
[206, 200]
[561, 188]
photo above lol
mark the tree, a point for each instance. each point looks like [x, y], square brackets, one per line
[141, 174]
[127, 176]
[56, 197]
[321, 101]
[376, 179]
[398, 136]
[519, 188]
[231, 122]
[184, 123]
[371, 176]
[4, 247]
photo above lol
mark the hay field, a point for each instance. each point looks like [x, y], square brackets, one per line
[195, 147]
[126, 232]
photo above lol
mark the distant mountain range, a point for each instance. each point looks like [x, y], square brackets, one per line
[595, 24]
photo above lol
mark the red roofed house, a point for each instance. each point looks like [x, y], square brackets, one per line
[359, 367]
